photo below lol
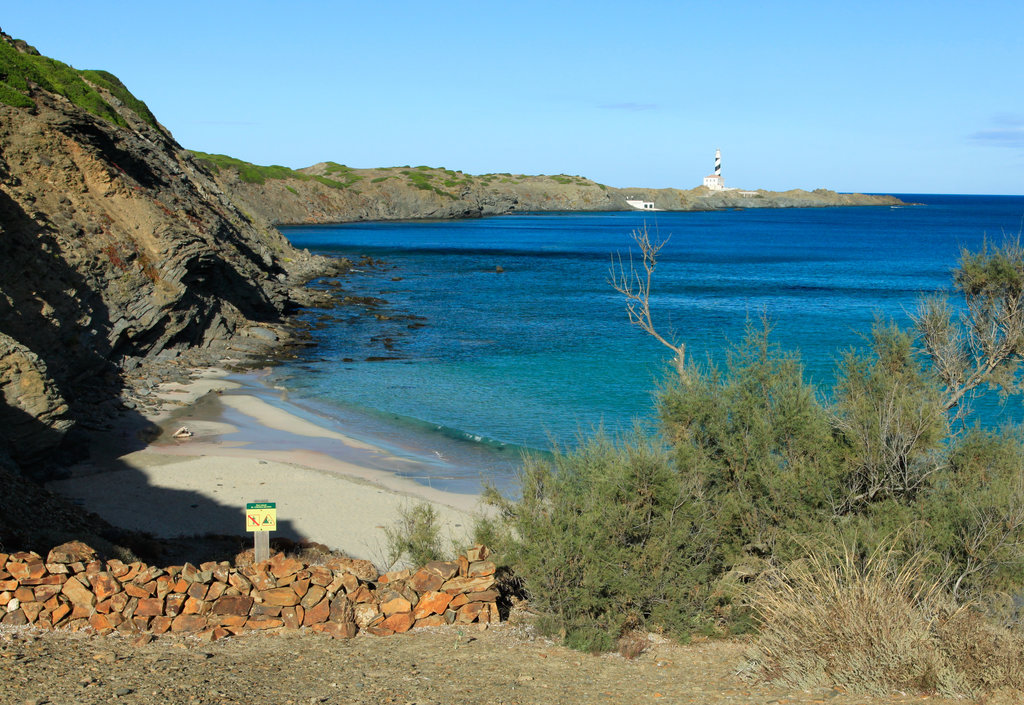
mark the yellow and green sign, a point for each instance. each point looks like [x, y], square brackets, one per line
[261, 516]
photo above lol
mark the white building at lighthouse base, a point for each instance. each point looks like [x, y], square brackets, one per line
[714, 182]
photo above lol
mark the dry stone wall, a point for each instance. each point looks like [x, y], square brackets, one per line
[72, 589]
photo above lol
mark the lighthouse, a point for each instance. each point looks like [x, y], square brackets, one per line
[714, 182]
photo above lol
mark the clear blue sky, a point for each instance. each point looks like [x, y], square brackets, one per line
[917, 96]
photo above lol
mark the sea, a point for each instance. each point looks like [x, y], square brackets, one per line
[468, 344]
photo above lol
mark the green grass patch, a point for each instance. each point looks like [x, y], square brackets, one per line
[17, 69]
[17, 99]
[255, 174]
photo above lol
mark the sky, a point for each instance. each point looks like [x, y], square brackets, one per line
[882, 97]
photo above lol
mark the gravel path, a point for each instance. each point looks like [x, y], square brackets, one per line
[506, 664]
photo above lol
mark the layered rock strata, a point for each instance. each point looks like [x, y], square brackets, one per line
[116, 248]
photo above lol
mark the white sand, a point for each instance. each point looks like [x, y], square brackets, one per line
[201, 485]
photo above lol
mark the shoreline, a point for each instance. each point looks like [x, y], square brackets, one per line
[329, 487]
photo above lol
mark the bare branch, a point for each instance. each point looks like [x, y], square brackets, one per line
[635, 286]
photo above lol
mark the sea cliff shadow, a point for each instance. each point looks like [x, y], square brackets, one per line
[54, 326]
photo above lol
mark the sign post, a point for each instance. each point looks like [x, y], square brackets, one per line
[261, 519]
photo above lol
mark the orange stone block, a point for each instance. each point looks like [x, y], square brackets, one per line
[230, 620]
[138, 591]
[318, 575]
[471, 612]
[160, 625]
[362, 594]
[233, 604]
[175, 602]
[150, 607]
[188, 623]
[215, 591]
[432, 603]
[290, 617]
[100, 623]
[282, 597]
[313, 595]
[480, 569]
[32, 610]
[263, 623]
[425, 581]
[119, 601]
[395, 606]
[349, 582]
[59, 612]
[24, 594]
[78, 593]
[317, 614]
[282, 567]
[43, 593]
[399, 623]
[434, 620]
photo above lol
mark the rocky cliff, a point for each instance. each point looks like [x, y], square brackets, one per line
[333, 193]
[116, 248]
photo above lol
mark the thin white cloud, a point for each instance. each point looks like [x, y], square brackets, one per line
[1007, 131]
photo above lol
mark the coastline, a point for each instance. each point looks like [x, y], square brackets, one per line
[329, 487]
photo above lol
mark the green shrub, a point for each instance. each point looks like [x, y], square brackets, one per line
[416, 537]
[757, 442]
[607, 538]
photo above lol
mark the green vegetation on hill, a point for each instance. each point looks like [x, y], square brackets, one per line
[255, 174]
[18, 69]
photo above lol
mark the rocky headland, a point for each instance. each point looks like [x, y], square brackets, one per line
[334, 193]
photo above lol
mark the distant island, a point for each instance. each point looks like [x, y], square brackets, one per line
[329, 192]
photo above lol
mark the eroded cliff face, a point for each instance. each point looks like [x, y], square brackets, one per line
[116, 247]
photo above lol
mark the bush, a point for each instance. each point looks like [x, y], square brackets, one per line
[416, 537]
[757, 443]
[608, 538]
[876, 625]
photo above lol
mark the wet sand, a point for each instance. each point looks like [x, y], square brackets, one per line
[329, 487]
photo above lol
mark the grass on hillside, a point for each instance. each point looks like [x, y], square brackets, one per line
[18, 70]
[255, 174]
[436, 179]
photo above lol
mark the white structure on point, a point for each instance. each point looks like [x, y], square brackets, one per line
[714, 182]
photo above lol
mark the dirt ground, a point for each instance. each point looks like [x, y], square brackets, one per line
[505, 664]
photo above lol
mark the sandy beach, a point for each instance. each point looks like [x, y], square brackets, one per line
[328, 487]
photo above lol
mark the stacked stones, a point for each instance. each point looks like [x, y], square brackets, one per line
[73, 590]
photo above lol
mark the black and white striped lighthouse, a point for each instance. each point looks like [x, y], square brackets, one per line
[714, 181]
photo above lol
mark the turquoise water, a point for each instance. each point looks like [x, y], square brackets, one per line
[535, 354]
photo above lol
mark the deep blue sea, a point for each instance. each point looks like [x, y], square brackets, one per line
[473, 365]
